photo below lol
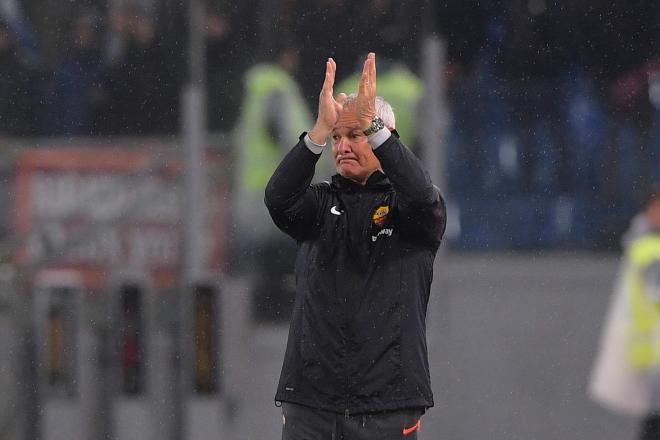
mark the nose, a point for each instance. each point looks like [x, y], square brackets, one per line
[344, 145]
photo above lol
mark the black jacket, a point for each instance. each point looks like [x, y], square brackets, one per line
[357, 339]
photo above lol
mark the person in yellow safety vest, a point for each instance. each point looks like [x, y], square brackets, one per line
[627, 372]
[642, 273]
[402, 89]
[272, 116]
[272, 113]
[644, 302]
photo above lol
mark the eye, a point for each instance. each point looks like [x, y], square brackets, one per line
[335, 138]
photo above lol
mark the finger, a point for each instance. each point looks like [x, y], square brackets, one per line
[368, 77]
[365, 67]
[333, 69]
[339, 102]
[370, 74]
[364, 80]
[361, 85]
[329, 81]
[372, 69]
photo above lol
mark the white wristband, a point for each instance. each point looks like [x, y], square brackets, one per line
[378, 138]
[313, 146]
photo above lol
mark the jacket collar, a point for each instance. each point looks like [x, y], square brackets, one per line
[377, 180]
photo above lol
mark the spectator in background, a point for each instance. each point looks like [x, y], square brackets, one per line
[245, 30]
[320, 35]
[148, 7]
[626, 376]
[222, 72]
[19, 88]
[532, 58]
[273, 115]
[392, 32]
[617, 41]
[463, 26]
[144, 82]
[121, 17]
[115, 39]
[11, 12]
[76, 92]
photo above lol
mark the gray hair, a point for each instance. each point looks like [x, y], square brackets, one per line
[383, 110]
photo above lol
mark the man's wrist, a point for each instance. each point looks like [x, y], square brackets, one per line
[313, 146]
[375, 125]
[318, 136]
[378, 138]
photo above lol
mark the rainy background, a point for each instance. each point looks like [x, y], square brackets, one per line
[144, 293]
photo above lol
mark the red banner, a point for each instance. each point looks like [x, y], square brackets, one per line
[100, 211]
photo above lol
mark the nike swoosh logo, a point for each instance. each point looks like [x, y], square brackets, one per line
[415, 427]
[335, 211]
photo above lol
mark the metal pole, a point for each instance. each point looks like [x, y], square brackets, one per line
[28, 400]
[436, 114]
[9, 373]
[194, 130]
[194, 217]
[436, 124]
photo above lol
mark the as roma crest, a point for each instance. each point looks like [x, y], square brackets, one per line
[380, 216]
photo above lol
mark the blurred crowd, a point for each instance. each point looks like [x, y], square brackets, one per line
[108, 72]
[547, 98]
[117, 66]
[556, 116]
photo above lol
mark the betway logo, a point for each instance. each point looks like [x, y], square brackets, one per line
[386, 231]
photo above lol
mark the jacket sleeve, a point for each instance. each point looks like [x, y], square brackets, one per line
[291, 201]
[420, 204]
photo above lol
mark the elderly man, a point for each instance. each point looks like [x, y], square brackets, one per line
[356, 362]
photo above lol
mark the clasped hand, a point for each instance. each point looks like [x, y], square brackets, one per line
[330, 108]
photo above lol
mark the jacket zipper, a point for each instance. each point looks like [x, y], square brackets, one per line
[347, 377]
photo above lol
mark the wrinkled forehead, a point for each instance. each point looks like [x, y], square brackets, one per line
[347, 118]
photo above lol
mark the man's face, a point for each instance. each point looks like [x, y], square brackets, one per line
[353, 156]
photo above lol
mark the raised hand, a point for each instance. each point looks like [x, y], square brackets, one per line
[329, 108]
[366, 99]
